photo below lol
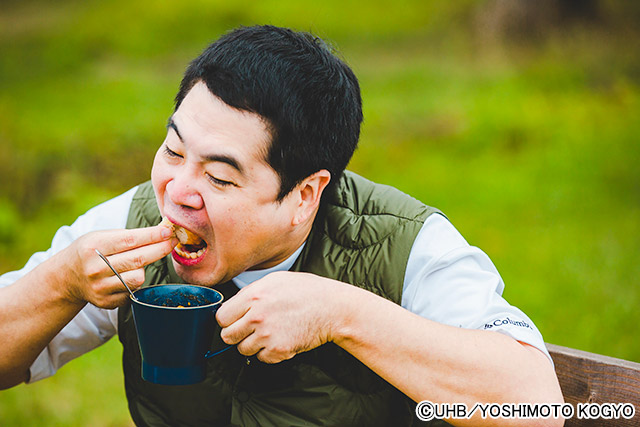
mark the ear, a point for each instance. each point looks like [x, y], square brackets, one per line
[308, 194]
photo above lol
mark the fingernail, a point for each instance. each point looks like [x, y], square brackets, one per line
[166, 232]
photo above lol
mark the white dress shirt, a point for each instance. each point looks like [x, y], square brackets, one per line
[446, 280]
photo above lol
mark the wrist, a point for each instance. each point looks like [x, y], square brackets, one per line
[62, 278]
[363, 315]
[347, 313]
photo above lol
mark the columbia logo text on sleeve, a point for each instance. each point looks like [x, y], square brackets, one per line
[507, 321]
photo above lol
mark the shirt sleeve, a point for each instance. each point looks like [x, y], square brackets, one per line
[451, 282]
[92, 326]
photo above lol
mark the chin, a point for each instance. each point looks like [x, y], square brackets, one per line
[194, 276]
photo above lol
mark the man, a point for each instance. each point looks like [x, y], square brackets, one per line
[347, 301]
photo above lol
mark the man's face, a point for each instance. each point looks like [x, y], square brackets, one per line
[211, 177]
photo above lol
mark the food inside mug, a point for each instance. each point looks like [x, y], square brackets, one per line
[178, 299]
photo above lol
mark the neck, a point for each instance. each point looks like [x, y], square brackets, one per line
[291, 242]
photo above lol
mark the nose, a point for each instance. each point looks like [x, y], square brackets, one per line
[183, 193]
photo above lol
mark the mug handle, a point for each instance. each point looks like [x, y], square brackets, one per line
[209, 353]
[215, 353]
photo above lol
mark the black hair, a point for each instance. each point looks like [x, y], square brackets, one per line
[309, 98]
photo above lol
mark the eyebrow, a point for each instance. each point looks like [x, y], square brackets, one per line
[171, 124]
[211, 157]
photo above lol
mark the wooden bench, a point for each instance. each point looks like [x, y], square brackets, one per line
[593, 378]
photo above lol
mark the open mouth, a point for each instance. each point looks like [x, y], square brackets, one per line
[190, 251]
[191, 246]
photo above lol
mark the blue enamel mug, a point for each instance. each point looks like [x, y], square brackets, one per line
[176, 326]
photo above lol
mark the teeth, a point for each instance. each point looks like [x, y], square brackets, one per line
[189, 255]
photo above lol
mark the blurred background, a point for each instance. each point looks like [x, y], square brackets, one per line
[520, 120]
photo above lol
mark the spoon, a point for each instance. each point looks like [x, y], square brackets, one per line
[114, 270]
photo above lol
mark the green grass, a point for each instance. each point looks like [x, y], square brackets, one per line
[531, 149]
[89, 392]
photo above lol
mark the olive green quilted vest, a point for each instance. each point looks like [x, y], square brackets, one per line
[362, 235]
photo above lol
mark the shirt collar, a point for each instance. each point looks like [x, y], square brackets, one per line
[250, 276]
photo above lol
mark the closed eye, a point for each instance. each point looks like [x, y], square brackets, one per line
[169, 152]
[217, 181]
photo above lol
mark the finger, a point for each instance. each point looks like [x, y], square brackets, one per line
[112, 301]
[116, 241]
[249, 346]
[112, 285]
[271, 357]
[141, 256]
[254, 345]
[234, 309]
[133, 278]
[237, 331]
[111, 293]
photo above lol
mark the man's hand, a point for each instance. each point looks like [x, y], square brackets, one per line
[288, 313]
[87, 278]
[280, 315]
[39, 304]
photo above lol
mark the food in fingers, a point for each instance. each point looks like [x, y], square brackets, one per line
[185, 236]
[191, 246]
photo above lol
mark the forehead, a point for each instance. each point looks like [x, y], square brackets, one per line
[204, 121]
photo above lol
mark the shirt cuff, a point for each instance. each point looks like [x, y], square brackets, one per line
[519, 329]
[41, 368]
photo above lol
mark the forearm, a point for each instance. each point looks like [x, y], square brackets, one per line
[430, 361]
[32, 311]
[38, 305]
